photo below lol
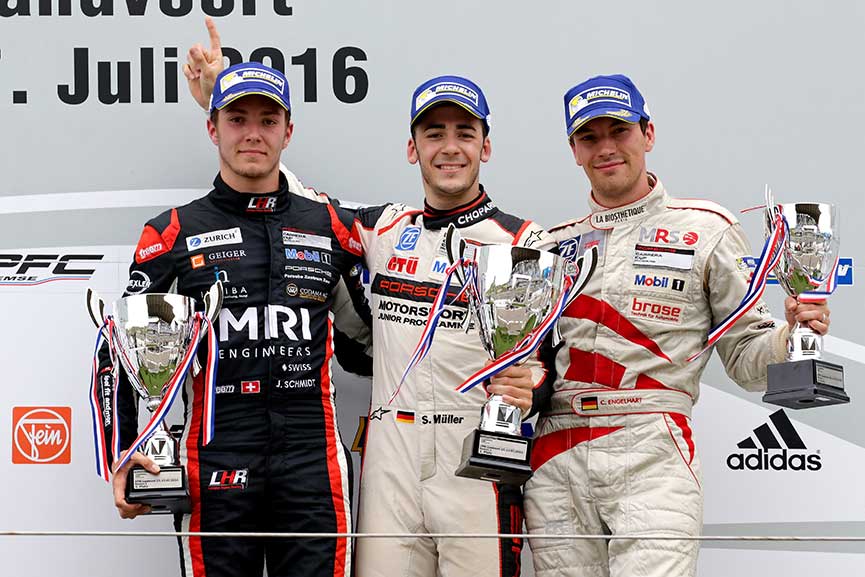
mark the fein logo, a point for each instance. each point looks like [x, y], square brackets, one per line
[41, 435]
[781, 449]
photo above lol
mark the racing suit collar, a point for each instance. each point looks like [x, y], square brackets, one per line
[607, 218]
[476, 210]
[228, 199]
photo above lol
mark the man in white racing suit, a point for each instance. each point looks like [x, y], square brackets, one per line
[615, 452]
[413, 443]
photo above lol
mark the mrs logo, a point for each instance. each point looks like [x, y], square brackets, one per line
[40, 435]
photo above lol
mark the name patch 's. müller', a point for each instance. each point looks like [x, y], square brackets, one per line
[664, 256]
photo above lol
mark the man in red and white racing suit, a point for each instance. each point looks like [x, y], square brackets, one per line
[413, 444]
[614, 453]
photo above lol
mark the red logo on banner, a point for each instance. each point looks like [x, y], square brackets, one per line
[41, 435]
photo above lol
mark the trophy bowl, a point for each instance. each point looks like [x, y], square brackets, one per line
[806, 269]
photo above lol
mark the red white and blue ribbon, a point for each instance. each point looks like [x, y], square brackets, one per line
[438, 306]
[525, 347]
[769, 257]
[99, 443]
[209, 383]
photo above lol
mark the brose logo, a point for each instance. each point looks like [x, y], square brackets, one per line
[773, 453]
[40, 435]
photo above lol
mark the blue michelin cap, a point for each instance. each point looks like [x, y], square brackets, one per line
[249, 78]
[613, 96]
[456, 89]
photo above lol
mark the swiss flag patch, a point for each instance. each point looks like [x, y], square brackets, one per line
[250, 387]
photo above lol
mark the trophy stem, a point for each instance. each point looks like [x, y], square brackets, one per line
[161, 447]
[803, 343]
[498, 416]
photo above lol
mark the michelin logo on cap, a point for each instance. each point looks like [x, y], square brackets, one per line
[603, 94]
[239, 76]
[446, 88]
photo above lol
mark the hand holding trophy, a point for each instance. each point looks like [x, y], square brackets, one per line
[154, 337]
[516, 294]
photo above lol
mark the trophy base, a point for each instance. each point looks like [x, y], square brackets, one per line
[496, 457]
[805, 384]
[166, 492]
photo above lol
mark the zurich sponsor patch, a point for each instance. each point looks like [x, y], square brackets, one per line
[214, 238]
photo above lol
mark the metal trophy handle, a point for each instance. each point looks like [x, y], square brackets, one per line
[806, 269]
[212, 305]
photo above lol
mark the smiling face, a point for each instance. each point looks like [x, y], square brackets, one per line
[613, 155]
[250, 134]
[449, 145]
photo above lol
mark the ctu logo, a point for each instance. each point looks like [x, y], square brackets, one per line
[402, 264]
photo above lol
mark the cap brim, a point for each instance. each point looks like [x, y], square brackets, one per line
[442, 100]
[617, 112]
[231, 98]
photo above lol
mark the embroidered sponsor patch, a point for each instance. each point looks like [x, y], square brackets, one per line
[408, 238]
[664, 257]
[652, 310]
[214, 238]
[292, 237]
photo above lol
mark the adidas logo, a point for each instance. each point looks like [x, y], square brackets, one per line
[779, 449]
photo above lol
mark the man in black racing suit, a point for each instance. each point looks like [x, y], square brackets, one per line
[289, 267]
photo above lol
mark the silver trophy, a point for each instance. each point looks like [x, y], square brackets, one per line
[806, 269]
[516, 290]
[152, 335]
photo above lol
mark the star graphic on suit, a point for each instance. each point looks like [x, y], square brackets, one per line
[378, 413]
[533, 238]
